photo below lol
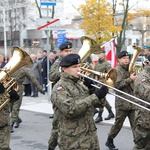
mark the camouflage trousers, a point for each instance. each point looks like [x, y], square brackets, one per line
[54, 133]
[119, 120]
[84, 141]
[142, 139]
[106, 105]
[5, 138]
[15, 108]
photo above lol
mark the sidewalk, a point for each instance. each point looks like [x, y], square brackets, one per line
[43, 105]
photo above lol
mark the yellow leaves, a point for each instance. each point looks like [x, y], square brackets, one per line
[143, 12]
[98, 20]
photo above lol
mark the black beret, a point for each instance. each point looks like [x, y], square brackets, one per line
[69, 60]
[65, 45]
[122, 54]
[45, 51]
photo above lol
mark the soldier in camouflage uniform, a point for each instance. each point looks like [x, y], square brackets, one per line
[20, 74]
[54, 76]
[103, 66]
[123, 108]
[74, 106]
[142, 119]
[4, 117]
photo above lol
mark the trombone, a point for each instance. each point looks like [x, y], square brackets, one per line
[118, 91]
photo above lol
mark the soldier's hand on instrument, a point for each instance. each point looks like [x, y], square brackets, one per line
[42, 92]
[87, 82]
[2, 88]
[101, 93]
[133, 76]
[13, 95]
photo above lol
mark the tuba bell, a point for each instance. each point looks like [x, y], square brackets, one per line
[132, 66]
[19, 59]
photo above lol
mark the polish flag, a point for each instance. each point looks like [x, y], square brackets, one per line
[110, 49]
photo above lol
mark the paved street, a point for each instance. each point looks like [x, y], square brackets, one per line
[34, 131]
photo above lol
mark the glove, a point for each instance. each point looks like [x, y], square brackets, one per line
[2, 89]
[87, 82]
[42, 92]
[13, 95]
[101, 93]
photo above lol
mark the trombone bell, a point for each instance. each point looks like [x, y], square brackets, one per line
[110, 77]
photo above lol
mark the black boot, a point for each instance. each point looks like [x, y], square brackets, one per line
[99, 118]
[110, 144]
[95, 111]
[18, 122]
[110, 115]
[11, 127]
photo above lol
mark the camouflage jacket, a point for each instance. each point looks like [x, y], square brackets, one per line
[20, 75]
[142, 90]
[123, 83]
[4, 112]
[54, 74]
[72, 102]
[102, 66]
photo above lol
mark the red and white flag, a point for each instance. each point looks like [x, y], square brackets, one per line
[110, 49]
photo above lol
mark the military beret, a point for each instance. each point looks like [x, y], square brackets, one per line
[45, 51]
[65, 45]
[69, 60]
[122, 54]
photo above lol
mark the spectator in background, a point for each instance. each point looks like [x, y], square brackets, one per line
[44, 74]
[35, 71]
[27, 86]
[2, 63]
[39, 60]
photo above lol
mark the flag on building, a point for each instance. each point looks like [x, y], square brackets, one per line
[110, 49]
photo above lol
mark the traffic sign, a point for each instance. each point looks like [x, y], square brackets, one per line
[61, 37]
[48, 2]
[47, 23]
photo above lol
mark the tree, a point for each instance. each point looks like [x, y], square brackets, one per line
[98, 20]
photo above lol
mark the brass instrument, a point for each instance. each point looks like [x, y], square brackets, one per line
[90, 46]
[109, 77]
[133, 67]
[130, 101]
[19, 59]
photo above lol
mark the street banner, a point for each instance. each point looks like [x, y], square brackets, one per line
[61, 37]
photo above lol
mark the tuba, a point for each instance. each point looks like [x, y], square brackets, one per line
[90, 46]
[133, 67]
[19, 59]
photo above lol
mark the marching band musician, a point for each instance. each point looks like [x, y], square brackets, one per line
[4, 117]
[74, 106]
[103, 66]
[123, 108]
[54, 76]
[142, 117]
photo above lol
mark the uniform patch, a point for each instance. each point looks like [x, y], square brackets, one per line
[143, 80]
[59, 88]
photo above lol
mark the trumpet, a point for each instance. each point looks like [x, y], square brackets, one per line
[136, 98]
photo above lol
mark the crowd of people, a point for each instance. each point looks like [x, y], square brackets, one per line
[76, 101]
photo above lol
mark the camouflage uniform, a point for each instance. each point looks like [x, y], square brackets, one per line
[74, 106]
[54, 76]
[20, 75]
[123, 108]
[4, 124]
[142, 120]
[102, 66]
